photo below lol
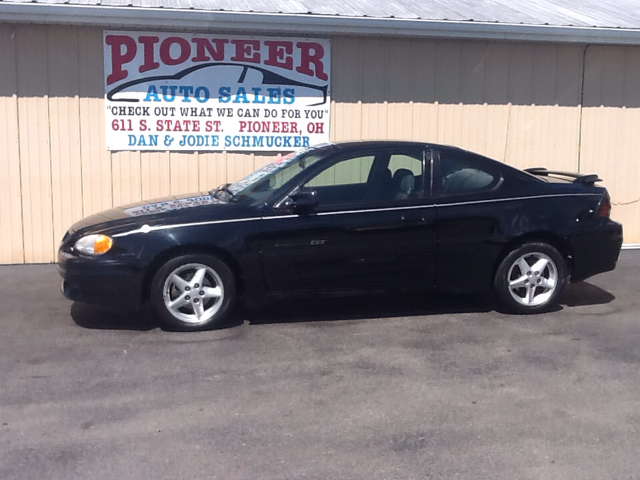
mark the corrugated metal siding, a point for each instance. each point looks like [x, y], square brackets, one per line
[11, 234]
[35, 143]
[610, 129]
[519, 103]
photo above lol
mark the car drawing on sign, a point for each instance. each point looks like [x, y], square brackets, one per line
[258, 76]
[351, 217]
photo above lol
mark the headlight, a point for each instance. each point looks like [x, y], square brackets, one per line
[94, 244]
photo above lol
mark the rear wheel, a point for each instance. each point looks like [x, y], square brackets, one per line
[531, 278]
[193, 292]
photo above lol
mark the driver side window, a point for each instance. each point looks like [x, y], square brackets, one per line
[353, 171]
[384, 178]
[343, 183]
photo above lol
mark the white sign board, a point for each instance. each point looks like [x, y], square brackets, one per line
[200, 92]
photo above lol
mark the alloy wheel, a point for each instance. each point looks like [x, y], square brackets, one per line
[193, 293]
[532, 279]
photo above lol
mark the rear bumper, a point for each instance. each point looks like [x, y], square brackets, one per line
[596, 251]
[109, 283]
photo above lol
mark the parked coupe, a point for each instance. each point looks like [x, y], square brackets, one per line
[351, 217]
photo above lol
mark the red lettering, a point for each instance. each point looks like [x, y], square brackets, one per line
[266, 127]
[149, 56]
[216, 52]
[279, 54]
[119, 56]
[182, 125]
[307, 58]
[165, 51]
[244, 51]
[213, 126]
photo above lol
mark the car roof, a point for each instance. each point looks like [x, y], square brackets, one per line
[391, 143]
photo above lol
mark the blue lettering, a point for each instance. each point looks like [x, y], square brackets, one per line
[186, 91]
[258, 98]
[168, 98]
[152, 94]
[241, 94]
[289, 96]
[224, 96]
[274, 94]
[202, 94]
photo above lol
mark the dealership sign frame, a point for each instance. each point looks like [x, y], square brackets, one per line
[167, 91]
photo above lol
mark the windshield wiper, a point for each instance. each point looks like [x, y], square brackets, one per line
[222, 188]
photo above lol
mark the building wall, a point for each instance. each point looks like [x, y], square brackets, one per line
[524, 104]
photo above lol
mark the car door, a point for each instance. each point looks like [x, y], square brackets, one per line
[369, 229]
[465, 190]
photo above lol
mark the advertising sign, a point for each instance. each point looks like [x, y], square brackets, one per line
[201, 92]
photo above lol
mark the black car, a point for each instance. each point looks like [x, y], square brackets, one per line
[348, 217]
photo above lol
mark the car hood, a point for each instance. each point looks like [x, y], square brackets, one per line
[188, 207]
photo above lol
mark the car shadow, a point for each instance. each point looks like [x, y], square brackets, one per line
[405, 305]
[585, 293]
[364, 306]
[97, 317]
[327, 309]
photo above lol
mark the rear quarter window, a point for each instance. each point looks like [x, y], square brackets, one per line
[464, 174]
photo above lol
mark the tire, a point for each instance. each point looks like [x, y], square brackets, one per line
[193, 292]
[531, 278]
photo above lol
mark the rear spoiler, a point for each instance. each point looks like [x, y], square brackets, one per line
[585, 179]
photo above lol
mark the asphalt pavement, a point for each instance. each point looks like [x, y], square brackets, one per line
[377, 387]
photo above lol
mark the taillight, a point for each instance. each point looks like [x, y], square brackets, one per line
[604, 209]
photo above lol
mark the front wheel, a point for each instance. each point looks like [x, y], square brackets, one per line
[193, 292]
[531, 278]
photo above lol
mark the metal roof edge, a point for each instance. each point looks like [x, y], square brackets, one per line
[307, 24]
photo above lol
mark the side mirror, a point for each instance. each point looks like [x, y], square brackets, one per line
[303, 200]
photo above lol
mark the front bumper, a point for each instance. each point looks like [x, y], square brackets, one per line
[109, 282]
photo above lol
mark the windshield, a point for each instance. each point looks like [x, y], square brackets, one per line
[262, 182]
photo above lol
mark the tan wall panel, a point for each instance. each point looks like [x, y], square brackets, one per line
[610, 126]
[35, 149]
[127, 177]
[64, 129]
[213, 171]
[424, 116]
[375, 74]
[517, 103]
[346, 81]
[97, 184]
[238, 165]
[184, 172]
[155, 174]
[400, 78]
[11, 239]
